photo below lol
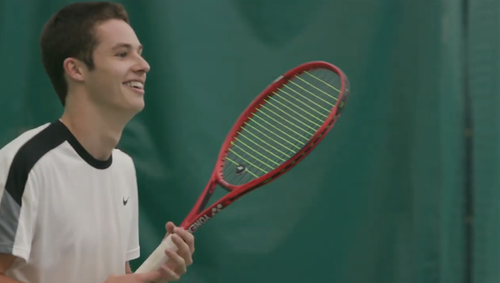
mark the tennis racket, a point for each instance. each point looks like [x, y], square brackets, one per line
[274, 133]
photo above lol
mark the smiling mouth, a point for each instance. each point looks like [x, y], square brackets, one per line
[135, 86]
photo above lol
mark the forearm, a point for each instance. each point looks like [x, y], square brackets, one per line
[5, 279]
[128, 270]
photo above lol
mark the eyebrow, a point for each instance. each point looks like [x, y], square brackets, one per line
[126, 45]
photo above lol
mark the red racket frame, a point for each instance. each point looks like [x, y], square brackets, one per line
[198, 215]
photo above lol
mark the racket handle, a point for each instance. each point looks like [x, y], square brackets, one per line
[158, 257]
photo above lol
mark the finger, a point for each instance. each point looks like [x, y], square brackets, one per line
[168, 274]
[170, 226]
[183, 249]
[186, 236]
[176, 262]
[148, 276]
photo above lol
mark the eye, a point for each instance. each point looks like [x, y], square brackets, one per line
[122, 54]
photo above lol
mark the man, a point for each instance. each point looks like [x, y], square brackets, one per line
[68, 198]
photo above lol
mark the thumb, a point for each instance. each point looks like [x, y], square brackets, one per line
[148, 276]
[170, 227]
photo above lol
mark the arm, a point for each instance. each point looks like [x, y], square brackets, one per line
[19, 205]
[133, 249]
[6, 261]
[128, 270]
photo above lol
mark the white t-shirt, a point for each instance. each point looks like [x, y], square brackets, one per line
[67, 216]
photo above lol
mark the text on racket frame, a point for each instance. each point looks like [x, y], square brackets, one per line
[204, 218]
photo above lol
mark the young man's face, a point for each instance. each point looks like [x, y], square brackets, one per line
[117, 81]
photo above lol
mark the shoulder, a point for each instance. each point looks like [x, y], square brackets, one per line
[124, 167]
[19, 156]
[124, 162]
[122, 158]
[26, 148]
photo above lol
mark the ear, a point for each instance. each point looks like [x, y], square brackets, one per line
[74, 69]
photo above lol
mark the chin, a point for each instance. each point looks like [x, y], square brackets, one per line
[134, 102]
[137, 105]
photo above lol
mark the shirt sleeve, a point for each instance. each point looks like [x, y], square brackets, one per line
[133, 248]
[18, 207]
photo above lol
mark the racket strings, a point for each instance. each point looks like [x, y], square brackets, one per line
[283, 100]
[312, 91]
[260, 147]
[281, 125]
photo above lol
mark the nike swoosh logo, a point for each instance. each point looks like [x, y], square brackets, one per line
[125, 201]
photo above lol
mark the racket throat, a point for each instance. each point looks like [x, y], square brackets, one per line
[206, 198]
[193, 221]
[200, 220]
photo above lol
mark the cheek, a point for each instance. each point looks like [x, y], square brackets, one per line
[105, 85]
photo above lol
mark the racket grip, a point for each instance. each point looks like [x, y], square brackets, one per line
[158, 256]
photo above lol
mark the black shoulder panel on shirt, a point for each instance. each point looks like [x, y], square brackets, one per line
[28, 155]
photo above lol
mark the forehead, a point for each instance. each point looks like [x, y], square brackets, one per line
[112, 32]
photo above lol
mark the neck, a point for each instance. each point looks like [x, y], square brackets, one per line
[97, 131]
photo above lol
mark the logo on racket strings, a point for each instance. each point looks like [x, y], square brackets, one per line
[203, 219]
[240, 169]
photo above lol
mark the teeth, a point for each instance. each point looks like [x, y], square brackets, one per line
[135, 84]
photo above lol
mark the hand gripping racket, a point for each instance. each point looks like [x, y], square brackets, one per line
[276, 131]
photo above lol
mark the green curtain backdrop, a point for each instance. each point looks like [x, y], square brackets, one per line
[381, 200]
[484, 58]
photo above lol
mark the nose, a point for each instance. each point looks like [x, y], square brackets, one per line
[142, 65]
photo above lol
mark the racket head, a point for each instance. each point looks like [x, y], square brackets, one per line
[282, 92]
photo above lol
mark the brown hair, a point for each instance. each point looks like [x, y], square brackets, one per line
[71, 33]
